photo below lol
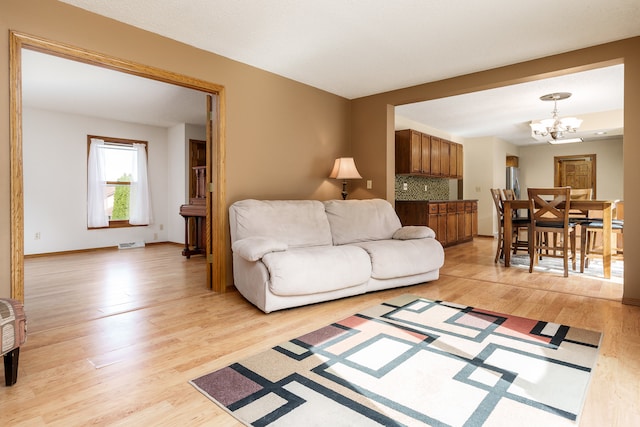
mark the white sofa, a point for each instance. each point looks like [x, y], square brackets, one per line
[288, 253]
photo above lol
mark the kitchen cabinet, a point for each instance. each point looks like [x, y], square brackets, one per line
[435, 156]
[454, 221]
[444, 158]
[453, 159]
[420, 154]
[413, 152]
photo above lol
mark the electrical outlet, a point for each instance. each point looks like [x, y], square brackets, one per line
[369, 184]
[155, 236]
[161, 227]
[405, 186]
[425, 187]
[37, 236]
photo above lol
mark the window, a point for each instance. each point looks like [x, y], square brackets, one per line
[117, 185]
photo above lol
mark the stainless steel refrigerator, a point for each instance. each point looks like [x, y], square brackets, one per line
[513, 180]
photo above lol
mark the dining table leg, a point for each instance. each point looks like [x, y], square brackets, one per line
[508, 232]
[606, 240]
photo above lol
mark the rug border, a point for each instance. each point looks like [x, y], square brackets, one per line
[219, 404]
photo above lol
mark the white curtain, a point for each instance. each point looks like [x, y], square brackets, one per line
[140, 199]
[96, 183]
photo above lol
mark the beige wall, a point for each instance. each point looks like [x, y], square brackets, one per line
[369, 118]
[282, 136]
[536, 165]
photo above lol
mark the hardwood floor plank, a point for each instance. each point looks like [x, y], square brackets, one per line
[115, 336]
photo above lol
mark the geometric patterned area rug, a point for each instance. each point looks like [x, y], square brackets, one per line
[411, 361]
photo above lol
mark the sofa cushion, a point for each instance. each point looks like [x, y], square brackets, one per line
[304, 271]
[298, 223]
[409, 232]
[399, 258]
[254, 248]
[361, 220]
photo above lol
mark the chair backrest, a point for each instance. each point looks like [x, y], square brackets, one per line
[580, 194]
[549, 206]
[619, 210]
[497, 200]
[509, 194]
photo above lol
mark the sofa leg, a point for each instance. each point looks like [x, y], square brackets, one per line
[11, 366]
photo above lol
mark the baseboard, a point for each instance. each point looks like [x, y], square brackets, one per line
[631, 301]
[102, 248]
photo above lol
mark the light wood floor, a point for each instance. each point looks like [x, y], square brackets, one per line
[115, 336]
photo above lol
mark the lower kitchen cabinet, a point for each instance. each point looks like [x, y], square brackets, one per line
[454, 221]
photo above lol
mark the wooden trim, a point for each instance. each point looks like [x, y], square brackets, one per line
[631, 301]
[16, 184]
[19, 41]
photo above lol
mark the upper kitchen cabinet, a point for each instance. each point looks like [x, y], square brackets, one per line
[413, 153]
[421, 154]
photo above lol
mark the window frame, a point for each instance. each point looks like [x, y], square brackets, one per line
[122, 223]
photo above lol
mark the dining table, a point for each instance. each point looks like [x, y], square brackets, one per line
[606, 206]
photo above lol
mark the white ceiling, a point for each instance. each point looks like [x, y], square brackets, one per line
[597, 98]
[357, 48]
[57, 84]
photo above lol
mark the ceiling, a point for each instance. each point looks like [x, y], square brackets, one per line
[57, 84]
[358, 48]
[505, 113]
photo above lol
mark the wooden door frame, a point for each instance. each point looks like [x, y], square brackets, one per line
[216, 267]
[556, 168]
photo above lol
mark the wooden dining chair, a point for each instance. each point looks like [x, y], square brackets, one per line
[591, 238]
[520, 225]
[549, 213]
[588, 241]
[580, 194]
[509, 194]
[497, 201]
[517, 224]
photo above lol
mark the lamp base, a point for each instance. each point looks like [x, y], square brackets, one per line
[344, 190]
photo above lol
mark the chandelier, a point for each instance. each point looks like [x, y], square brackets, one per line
[555, 127]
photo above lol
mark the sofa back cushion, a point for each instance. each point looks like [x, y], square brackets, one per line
[361, 220]
[298, 223]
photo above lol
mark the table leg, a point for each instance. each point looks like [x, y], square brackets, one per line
[508, 233]
[606, 241]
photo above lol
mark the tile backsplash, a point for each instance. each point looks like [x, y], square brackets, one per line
[421, 188]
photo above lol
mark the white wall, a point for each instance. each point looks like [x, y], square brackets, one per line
[484, 168]
[537, 163]
[55, 181]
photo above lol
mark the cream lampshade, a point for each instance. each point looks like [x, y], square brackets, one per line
[344, 168]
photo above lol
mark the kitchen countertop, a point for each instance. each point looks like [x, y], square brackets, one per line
[436, 201]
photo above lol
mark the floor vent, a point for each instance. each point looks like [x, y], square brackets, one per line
[130, 245]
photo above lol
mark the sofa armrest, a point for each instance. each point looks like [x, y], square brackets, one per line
[409, 232]
[254, 248]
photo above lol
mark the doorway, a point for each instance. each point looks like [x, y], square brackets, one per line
[214, 148]
[578, 171]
